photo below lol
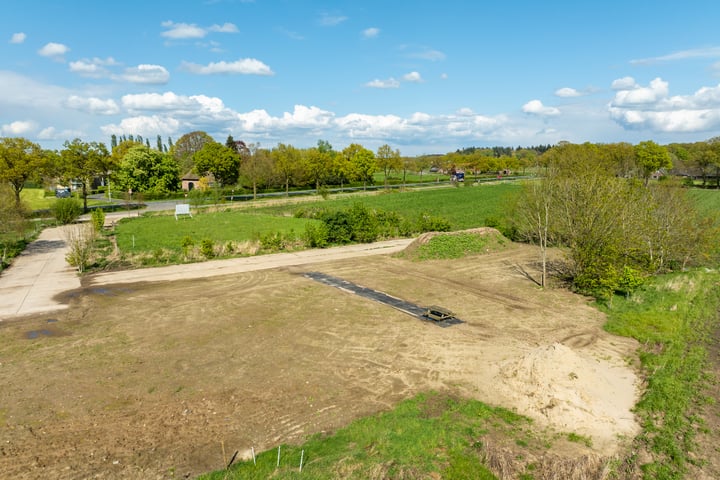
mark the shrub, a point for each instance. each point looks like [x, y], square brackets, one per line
[630, 280]
[187, 242]
[339, 228]
[66, 210]
[207, 248]
[80, 239]
[272, 241]
[363, 223]
[316, 235]
[389, 224]
[429, 223]
[97, 218]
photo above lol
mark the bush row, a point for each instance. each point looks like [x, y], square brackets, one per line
[359, 224]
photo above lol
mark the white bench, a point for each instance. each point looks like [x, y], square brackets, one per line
[182, 209]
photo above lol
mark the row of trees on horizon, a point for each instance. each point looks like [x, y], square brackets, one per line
[133, 164]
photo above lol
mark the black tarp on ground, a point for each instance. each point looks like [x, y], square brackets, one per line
[394, 302]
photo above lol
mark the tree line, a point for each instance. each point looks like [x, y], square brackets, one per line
[132, 164]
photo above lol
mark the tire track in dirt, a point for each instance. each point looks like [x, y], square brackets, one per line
[506, 300]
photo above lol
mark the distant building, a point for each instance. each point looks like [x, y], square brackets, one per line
[189, 182]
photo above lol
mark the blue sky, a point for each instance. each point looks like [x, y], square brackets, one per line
[421, 76]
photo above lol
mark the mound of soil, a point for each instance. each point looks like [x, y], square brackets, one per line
[558, 386]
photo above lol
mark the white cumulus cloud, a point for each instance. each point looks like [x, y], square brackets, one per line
[652, 107]
[567, 92]
[371, 32]
[93, 105]
[658, 89]
[624, 83]
[52, 133]
[244, 66]
[536, 107]
[18, 128]
[180, 31]
[305, 117]
[53, 50]
[146, 126]
[93, 68]
[18, 37]
[146, 74]
[413, 77]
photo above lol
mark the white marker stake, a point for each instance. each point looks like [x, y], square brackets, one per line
[253, 453]
[278, 460]
[302, 454]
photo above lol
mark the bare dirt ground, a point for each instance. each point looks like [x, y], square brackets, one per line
[156, 380]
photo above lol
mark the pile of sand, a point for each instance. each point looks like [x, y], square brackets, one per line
[559, 387]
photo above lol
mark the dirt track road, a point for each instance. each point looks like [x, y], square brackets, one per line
[247, 264]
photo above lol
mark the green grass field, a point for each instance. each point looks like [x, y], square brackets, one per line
[464, 206]
[707, 201]
[429, 436]
[164, 232]
[35, 199]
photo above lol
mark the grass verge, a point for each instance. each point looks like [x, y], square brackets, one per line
[673, 318]
[430, 436]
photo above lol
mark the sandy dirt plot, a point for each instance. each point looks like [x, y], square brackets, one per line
[154, 380]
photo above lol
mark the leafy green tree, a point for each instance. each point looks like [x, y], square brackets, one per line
[526, 158]
[622, 157]
[341, 169]
[318, 164]
[20, 161]
[287, 162]
[82, 162]
[651, 157]
[388, 160]
[219, 160]
[362, 162]
[257, 168]
[143, 169]
[324, 146]
[422, 163]
[184, 149]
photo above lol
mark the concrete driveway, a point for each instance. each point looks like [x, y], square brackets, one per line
[37, 276]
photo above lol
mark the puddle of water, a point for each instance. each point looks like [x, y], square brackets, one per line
[32, 334]
[52, 320]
